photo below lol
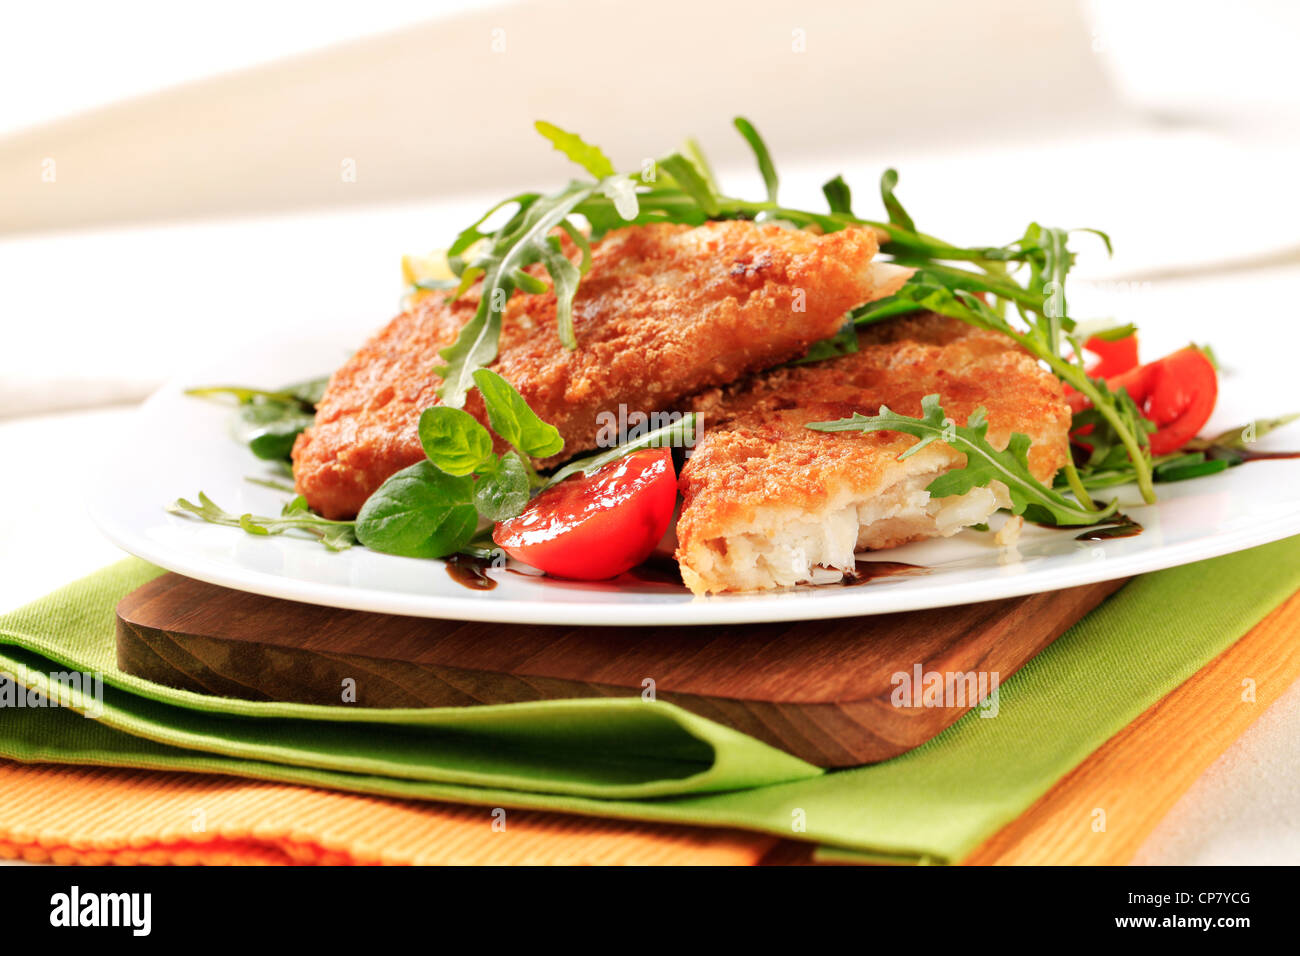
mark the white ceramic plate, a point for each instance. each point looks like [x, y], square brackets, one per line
[179, 445]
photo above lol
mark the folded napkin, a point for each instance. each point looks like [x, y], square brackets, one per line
[97, 815]
[651, 761]
[1138, 775]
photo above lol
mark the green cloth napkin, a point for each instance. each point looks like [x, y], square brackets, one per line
[629, 758]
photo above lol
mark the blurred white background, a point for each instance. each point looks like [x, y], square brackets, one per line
[173, 177]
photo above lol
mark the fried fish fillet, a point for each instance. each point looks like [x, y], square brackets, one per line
[665, 310]
[766, 500]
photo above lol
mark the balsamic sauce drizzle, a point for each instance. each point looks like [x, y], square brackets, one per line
[470, 572]
[1245, 454]
[865, 572]
[1119, 526]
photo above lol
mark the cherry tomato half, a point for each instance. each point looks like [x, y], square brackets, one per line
[592, 527]
[1177, 393]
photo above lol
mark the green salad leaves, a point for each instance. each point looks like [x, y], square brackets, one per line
[513, 420]
[1109, 464]
[536, 243]
[977, 285]
[677, 434]
[984, 463]
[268, 422]
[420, 512]
[433, 508]
[525, 240]
[296, 516]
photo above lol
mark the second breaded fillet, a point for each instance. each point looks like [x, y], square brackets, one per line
[665, 311]
[767, 501]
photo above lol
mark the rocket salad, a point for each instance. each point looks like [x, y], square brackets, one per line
[1132, 422]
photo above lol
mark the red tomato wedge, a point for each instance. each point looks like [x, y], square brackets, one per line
[1113, 357]
[592, 527]
[1177, 393]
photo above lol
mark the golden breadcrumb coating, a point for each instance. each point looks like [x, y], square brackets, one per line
[766, 500]
[666, 310]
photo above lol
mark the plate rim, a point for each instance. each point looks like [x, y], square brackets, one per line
[695, 610]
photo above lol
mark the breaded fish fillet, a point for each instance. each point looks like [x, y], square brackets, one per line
[766, 500]
[666, 310]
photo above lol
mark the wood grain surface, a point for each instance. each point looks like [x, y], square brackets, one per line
[818, 689]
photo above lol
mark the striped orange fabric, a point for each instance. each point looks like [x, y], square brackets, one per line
[103, 815]
[100, 815]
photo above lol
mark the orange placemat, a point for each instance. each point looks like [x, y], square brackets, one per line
[101, 815]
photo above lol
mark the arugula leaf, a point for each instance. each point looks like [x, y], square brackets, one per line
[692, 183]
[838, 195]
[1105, 439]
[1241, 437]
[513, 420]
[897, 214]
[269, 429]
[680, 433]
[951, 292]
[589, 157]
[420, 512]
[438, 285]
[482, 546]
[527, 282]
[472, 235]
[270, 483]
[1047, 272]
[240, 393]
[1115, 469]
[335, 535]
[688, 193]
[1111, 333]
[1108, 465]
[695, 154]
[269, 422]
[311, 391]
[1193, 465]
[1208, 351]
[306, 393]
[502, 491]
[467, 278]
[582, 242]
[454, 440]
[521, 243]
[843, 342]
[565, 275]
[984, 463]
[765, 165]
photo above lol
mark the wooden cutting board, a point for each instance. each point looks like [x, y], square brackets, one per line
[818, 689]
